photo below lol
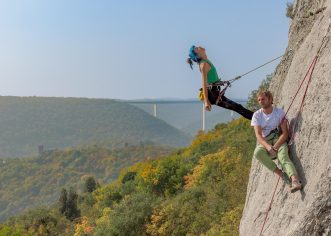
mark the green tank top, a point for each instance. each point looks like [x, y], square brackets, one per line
[212, 75]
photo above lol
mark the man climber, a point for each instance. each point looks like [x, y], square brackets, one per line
[271, 132]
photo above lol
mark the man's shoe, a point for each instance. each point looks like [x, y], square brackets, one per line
[296, 185]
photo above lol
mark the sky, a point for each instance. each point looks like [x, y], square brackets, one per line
[134, 49]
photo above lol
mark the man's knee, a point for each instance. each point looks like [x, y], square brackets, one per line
[283, 148]
[263, 157]
[260, 152]
[266, 161]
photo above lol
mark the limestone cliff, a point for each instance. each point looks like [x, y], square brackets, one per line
[307, 212]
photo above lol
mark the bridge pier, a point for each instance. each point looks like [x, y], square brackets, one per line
[155, 113]
[203, 117]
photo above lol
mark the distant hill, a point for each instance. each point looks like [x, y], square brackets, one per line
[27, 182]
[27, 122]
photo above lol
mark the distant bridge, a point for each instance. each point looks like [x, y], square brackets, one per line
[160, 101]
[164, 101]
[154, 102]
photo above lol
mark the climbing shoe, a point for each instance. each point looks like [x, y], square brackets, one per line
[295, 186]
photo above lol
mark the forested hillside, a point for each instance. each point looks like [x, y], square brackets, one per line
[27, 122]
[198, 190]
[28, 182]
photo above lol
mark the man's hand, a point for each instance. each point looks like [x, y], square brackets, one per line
[283, 137]
[207, 106]
[272, 151]
[276, 147]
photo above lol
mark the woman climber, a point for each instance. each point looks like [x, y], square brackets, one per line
[211, 84]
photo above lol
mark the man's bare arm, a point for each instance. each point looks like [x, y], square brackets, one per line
[259, 137]
[283, 137]
[261, 140]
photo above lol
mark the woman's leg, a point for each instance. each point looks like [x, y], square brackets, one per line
[231, 105]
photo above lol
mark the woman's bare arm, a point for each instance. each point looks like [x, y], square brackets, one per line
[204, 68]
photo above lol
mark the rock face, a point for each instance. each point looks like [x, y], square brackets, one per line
[307, 212]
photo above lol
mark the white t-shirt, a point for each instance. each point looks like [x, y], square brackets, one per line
[268, 122]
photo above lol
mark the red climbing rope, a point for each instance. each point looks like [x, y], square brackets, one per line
[269, 208]
[312, 64]
[310, 73]
[302, 102]
[311, 70]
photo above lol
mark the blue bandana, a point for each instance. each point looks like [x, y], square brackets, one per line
[193, 55]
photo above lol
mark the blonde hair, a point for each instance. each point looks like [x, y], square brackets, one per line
[266, 93]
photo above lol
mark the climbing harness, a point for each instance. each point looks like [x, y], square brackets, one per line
[218, 86]
[228, 83]
[308, 75]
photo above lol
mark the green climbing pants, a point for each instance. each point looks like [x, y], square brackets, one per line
[264, 157]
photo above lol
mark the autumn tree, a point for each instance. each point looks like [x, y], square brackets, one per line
[68, 204]
[63, 201]
[90, 184]
[72, 212]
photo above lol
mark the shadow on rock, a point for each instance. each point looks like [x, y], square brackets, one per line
[295, 126]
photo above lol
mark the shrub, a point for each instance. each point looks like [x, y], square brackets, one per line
[128, 217]
[129, 176]
[289, 10]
